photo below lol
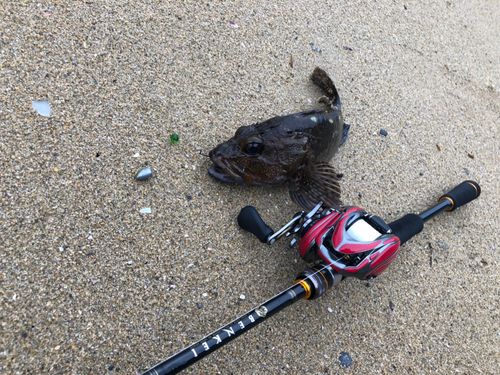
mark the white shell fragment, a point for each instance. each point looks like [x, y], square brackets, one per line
[144, 174]
[42, 106]
[242, 296]
[145, 210]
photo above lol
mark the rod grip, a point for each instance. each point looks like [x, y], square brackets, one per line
[462, 194]
[407, 227]
[250, 220]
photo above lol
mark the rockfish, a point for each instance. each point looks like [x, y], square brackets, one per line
[292, 150]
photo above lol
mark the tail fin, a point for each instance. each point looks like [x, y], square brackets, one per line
[323, 81]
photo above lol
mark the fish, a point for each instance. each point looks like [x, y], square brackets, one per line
[293, 150]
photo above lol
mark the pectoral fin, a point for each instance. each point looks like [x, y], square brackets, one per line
[316, 183]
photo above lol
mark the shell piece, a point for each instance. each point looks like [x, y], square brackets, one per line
[144, 174]
[42, 106]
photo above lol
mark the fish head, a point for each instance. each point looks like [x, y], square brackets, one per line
[260, 155]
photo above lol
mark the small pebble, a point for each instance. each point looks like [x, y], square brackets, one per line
[242, 296]
[330, 310]
[136, 155]
[144, 174]
[345, 359]
[205, 294]
[145, 210]
[421, 174]
[314, 48]
[383, 132]
[110, 368]
[174, 138]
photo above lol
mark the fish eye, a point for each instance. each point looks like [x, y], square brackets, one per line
[253, 148]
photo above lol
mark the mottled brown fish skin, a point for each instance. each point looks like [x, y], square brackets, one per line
[281, 150]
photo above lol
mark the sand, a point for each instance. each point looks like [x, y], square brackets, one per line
[90, 285]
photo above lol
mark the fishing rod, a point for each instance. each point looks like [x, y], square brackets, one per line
[347, 243]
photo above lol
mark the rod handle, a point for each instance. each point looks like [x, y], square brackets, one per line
[250, 220]
[407, 227]
[464, 193]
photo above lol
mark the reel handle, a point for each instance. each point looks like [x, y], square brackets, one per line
[250, 220]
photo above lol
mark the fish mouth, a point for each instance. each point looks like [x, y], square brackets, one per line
[223, 172]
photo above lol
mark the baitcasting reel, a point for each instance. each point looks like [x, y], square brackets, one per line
[352, 242]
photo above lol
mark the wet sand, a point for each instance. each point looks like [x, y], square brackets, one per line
[90, 285]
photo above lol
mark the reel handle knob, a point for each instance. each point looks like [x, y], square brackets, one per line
[250, 220]
[462, 194]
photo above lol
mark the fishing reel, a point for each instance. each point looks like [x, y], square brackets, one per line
[352, 242]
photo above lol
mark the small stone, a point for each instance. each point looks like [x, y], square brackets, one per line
[421, 174]
[443, 244]
[205, 294]
[383, 132]
[345, 359]
[242, 296]
[189, 197]
[145, 210]
[330, 310]
[174, 138]
[144, 174]
[136, 155]
[111, 368]
[314, 48]
[129, 262]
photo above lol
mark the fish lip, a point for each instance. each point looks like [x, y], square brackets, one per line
[219, 170]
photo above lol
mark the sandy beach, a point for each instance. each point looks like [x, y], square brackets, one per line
[92, 285]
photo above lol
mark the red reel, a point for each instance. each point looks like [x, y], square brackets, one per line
[352, 242]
